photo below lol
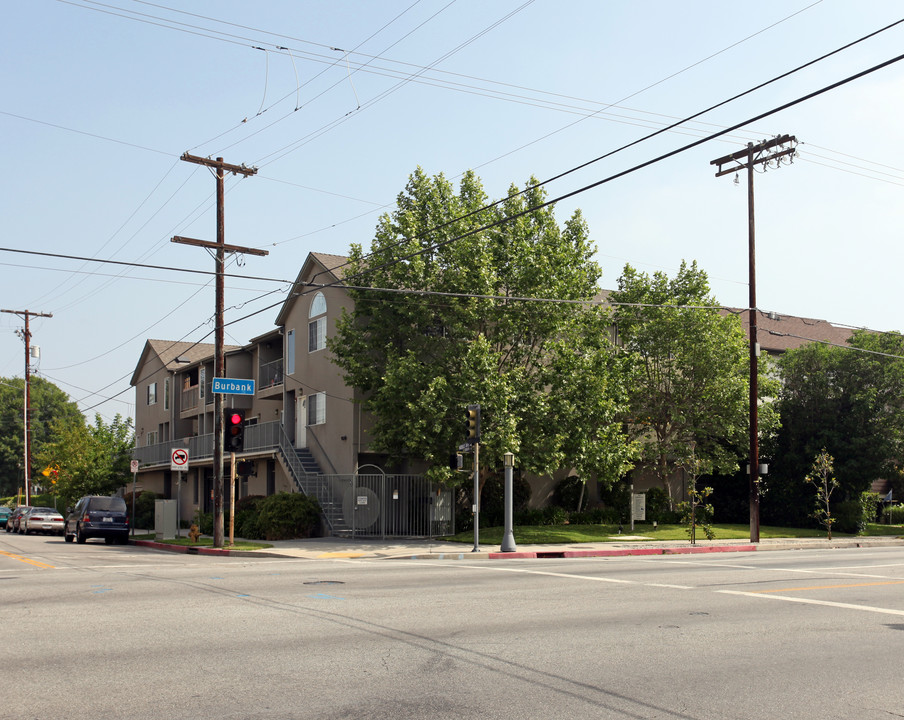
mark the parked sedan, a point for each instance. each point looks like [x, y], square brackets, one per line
[12, 525]
[5, 512]
[41, 520]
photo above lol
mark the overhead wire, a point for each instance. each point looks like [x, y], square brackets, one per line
[663, 130]
[559, 198]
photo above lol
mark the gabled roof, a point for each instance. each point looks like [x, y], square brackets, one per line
[778, 333]
[321, 268]
[168, 350]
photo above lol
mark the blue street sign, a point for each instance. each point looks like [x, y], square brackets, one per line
[232, 386]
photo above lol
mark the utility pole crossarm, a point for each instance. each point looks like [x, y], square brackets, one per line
[745, 156]
[213, 245]
[218, 164]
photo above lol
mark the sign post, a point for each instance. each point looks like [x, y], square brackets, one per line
[179, 464]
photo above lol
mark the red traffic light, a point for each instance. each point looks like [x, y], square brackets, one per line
[235, 430]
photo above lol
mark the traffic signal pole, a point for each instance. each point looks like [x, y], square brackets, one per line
[220, 168]
[476, 496]
[473, 439]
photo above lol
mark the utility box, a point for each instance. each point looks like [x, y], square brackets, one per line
[165, 522]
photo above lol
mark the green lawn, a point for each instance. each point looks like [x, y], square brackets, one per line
[551, 534]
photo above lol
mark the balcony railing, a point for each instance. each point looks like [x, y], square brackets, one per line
[271, 374]
[258, 437]
[190, 398]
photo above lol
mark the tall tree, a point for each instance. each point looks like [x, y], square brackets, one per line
[532, 366]
[90, 459]
[48, 405]
[847, 401]
[690, 393]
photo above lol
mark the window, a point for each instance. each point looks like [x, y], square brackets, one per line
[317, 409]
[166, 393]
[290, 352]
[151, 437]
[152, 393]
[318, 305]
[317, 334]
[202, 375]
[317, 326]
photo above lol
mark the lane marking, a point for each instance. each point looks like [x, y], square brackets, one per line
[526, 571]
[827, 587]
[36, 563]
[675, 587]
[806, 601]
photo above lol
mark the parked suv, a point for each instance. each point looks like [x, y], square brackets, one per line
[98, 516]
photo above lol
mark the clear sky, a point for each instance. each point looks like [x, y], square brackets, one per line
[336, 102]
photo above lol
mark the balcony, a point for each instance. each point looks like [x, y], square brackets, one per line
[260, 437]
[270, 379]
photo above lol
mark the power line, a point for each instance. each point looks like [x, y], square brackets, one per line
[667, 128]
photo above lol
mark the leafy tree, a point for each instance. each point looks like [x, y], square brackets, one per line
[48, 405]
[825, 483]
[690, 390]
[544, 373]
[846, 401]
[91, 459]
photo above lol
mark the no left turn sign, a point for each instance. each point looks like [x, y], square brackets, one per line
[179, 459]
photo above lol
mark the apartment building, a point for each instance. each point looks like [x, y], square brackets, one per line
[304, 429]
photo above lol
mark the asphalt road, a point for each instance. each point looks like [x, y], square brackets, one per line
[97, 631]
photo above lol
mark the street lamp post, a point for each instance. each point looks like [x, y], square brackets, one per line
[508, 538]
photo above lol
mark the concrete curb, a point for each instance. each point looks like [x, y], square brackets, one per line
[545, 553]
[550, 554]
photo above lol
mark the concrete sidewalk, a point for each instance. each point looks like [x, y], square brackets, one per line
[332, 548]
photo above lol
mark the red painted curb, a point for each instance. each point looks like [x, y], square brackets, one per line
[185, 549]
[708, 549]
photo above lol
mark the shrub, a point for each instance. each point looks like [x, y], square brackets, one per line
[847, 517]
[869, 502]
[554, 515]
[204, 522]
[893, 514]
[567, 493]
[144, 509]
[658, 506]
[284, 516]
[247, 518]
[595, 516]
[528, 516]
[492, 498]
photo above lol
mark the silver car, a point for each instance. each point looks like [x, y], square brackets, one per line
[41, 520]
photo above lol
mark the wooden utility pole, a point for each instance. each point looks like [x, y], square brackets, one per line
[26, 405]
[220, 168]
[748, 158]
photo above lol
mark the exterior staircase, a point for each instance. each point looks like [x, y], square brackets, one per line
[310, 480]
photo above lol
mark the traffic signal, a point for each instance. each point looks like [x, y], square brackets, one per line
[473, 424]
[244, 468]
[235, 430]
[456, 462]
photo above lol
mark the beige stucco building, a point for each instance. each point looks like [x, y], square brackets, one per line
[304, 430]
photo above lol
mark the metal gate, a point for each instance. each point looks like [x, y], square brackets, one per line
[383, 505]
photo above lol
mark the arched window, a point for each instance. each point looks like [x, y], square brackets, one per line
[317, 324]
